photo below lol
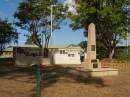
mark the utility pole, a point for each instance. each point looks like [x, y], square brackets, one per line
[127, 40]
[51, 22]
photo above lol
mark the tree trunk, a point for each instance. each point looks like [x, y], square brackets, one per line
[111, 53]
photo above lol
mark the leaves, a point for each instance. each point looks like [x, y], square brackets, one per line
[7, 34]
[35, 17]
[109, 16]
[83, 45]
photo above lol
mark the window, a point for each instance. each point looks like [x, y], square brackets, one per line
[62, 52]
[71, 55]
[66, 52]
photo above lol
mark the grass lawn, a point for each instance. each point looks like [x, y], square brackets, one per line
[61, 81]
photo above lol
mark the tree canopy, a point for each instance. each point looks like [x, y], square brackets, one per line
[8, 34]
[109, 16]
[35, 17]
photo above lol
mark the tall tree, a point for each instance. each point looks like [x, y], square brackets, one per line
[34, 16]
[109, 16]
[8, 34]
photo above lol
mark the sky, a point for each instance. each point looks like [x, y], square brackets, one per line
[63, 36]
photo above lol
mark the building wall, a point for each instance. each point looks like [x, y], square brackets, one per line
[32, 56]
[7, 54]
[67, 56]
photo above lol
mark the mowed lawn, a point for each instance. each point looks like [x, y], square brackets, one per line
[62, 81]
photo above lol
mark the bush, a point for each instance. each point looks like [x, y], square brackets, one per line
[101, 53]
[122, 54]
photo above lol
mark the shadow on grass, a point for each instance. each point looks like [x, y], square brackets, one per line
[14, 73]
[54, 73]
[51, 75]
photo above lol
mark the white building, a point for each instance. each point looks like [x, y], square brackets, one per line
[58, 54]
[67, 56]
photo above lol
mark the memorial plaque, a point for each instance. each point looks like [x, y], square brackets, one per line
[94, 60]
[93, 48]
[95, 65]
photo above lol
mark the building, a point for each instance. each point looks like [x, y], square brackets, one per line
[67, 55]
[7, 52]
[58, 54]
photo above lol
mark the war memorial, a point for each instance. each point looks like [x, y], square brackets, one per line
[92, 64]
[64, 48]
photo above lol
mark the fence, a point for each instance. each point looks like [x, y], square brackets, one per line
[116, 65]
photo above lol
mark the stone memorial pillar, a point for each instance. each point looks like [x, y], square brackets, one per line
[92, 64]
[91, 61]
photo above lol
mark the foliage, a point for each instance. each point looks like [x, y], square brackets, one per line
[109, 16]
[83, 45]
[122, 54]
[7, 34]
[34, 16]
[101, 50]
[30, 40]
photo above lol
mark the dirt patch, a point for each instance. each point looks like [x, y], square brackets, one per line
[60, 81]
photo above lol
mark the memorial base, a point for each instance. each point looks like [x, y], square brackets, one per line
[94, 69]
[101, 72]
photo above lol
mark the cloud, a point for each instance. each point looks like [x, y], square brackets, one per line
[71, 5]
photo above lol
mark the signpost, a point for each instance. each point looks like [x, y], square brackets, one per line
[32, 56]
[38, 80]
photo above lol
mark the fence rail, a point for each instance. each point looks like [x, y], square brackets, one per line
[116, 65]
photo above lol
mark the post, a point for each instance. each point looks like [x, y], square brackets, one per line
[127, 44]
[38, 81]
[127, 40]
[51, 22]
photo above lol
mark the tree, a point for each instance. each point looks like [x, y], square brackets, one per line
[34, 16]
[29, 40]
[8, 34]
[83, 45]
[109, 17]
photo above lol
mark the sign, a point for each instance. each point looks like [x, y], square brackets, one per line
[25, 56]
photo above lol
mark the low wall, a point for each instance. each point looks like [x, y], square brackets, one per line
[116, 65]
